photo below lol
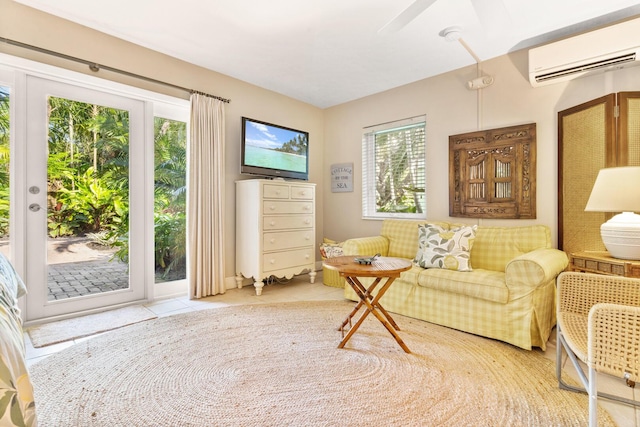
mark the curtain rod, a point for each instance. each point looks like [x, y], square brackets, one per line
[95, 67]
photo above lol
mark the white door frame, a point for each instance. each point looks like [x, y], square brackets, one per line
[14, 72]
[38, 91]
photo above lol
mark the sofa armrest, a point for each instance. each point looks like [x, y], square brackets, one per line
[528, 271]
[366, 246]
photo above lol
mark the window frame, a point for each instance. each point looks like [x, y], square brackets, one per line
[369, 195]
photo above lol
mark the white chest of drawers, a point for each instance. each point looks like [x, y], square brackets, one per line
[275, 230]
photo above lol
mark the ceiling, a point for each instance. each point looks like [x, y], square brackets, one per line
[326, 52]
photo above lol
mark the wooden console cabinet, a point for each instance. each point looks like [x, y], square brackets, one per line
[275, 230]
[602, 263]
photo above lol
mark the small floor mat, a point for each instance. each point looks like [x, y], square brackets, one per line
[78, 327]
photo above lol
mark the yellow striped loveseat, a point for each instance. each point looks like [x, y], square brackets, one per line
[509, 295]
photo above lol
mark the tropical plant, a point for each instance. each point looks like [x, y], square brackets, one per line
[4, 160]
[170, 197]
[397, 185]
[88, 171]
[169, 201]
[170, 247]
[93, 205]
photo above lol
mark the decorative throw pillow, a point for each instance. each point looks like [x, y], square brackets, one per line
[449, 249]
[330, 248]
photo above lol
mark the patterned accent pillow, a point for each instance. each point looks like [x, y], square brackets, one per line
[448, 249]
[330, 249]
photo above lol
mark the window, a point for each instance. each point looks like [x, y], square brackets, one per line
[170, 202]
[393, 170]
[5, 150]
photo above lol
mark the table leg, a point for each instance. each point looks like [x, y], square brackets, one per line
[372, 306]
[362, 294]
[376, 307]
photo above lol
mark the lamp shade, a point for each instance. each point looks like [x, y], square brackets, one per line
[616, 190]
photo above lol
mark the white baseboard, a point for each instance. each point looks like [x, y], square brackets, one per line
[175, 289]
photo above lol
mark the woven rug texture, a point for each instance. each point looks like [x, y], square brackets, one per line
[78, 327]
[279, 365]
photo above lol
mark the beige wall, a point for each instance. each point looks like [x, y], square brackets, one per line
[335, 133]
[451, 109]
[29, 26]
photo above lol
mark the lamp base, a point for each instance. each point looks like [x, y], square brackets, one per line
[621, 236]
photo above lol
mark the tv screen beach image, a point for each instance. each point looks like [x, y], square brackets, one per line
[274, 147]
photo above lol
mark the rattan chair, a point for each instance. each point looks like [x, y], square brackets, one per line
[599, 324]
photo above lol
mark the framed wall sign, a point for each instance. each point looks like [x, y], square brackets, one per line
[342, 178]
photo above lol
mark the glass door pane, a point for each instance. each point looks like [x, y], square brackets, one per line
[170, 199]
[5, 144]
[87, 199]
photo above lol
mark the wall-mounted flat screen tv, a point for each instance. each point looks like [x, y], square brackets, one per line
[274, 151]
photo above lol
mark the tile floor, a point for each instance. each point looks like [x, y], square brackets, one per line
[299, 289]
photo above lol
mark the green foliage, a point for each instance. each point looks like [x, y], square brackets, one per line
[400, 170]
[170, 198]
[4, 211]
[171, 248]
[4, 161]
[93, 205]
[88, 170]
[169, 202]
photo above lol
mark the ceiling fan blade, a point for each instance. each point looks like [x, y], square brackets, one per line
[406, 16]
[493, 16]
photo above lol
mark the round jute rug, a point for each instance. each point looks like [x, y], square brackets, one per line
[279, 365]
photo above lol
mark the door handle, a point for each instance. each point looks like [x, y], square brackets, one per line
[34, 207]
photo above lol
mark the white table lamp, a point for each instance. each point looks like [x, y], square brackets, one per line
[618, 190]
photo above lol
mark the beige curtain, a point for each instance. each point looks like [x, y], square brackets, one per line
[206, 197]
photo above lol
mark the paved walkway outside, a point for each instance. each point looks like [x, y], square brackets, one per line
[74, 279]
[78, 267]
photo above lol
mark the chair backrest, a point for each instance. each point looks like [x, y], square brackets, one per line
[614, 340]
[578, 292]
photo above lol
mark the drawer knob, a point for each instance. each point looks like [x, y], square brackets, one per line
[308, 221]
[272, 223]
[272, 207]
[272, 261]
[307, 208]
[272, 241]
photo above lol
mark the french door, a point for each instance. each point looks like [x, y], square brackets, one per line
[77, 196]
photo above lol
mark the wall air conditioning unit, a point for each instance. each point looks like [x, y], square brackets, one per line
[609, 48]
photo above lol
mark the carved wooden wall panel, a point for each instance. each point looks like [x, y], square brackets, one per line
[492, 173]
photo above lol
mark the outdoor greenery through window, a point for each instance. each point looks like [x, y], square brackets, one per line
[4, 162]
[170, 217]
[393, 170]
[88, 169]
